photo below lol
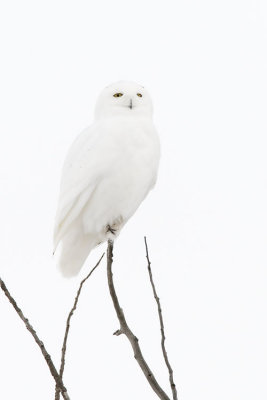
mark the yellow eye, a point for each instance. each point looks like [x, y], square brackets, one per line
[117, 94]
[139, 95]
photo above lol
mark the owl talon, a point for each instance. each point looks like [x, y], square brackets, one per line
[111, 230]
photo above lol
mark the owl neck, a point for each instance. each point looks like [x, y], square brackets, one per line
[119, 112]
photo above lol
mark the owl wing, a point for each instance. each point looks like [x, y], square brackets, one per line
[79, 179]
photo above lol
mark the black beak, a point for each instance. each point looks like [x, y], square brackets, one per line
[131, 104]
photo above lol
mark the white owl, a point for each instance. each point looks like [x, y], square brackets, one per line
[109, 170]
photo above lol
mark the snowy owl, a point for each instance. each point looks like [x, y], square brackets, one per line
[109, 170]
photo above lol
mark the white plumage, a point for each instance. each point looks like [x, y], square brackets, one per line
[108, 171]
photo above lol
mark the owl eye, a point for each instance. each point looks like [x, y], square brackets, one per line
[117, 94]
[139, 94]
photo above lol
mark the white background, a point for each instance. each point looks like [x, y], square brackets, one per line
[204, 63]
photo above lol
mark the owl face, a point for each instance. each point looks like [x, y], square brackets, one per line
[124, 99]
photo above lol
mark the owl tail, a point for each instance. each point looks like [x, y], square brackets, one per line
[75, 248]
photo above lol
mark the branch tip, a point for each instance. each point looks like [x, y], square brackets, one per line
[118, 333]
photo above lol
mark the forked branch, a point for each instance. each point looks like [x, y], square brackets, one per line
[45, 354]
[124, 329]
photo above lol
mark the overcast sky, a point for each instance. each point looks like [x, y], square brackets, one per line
[204, 63]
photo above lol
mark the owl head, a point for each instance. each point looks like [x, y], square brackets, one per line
[124, 99]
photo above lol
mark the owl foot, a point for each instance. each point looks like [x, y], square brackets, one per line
[111, 230]
[115, 227]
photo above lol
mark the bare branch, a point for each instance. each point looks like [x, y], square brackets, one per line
[64, 346]
[172, 384]
[47, 357]
[124, 329]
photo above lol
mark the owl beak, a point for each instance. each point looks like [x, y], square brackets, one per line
[131, 104]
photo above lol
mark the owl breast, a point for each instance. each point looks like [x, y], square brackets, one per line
[130, 155]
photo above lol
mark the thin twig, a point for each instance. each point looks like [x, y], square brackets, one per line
[172, 384]
[124, 329]
[47, 357]
[64, 346]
